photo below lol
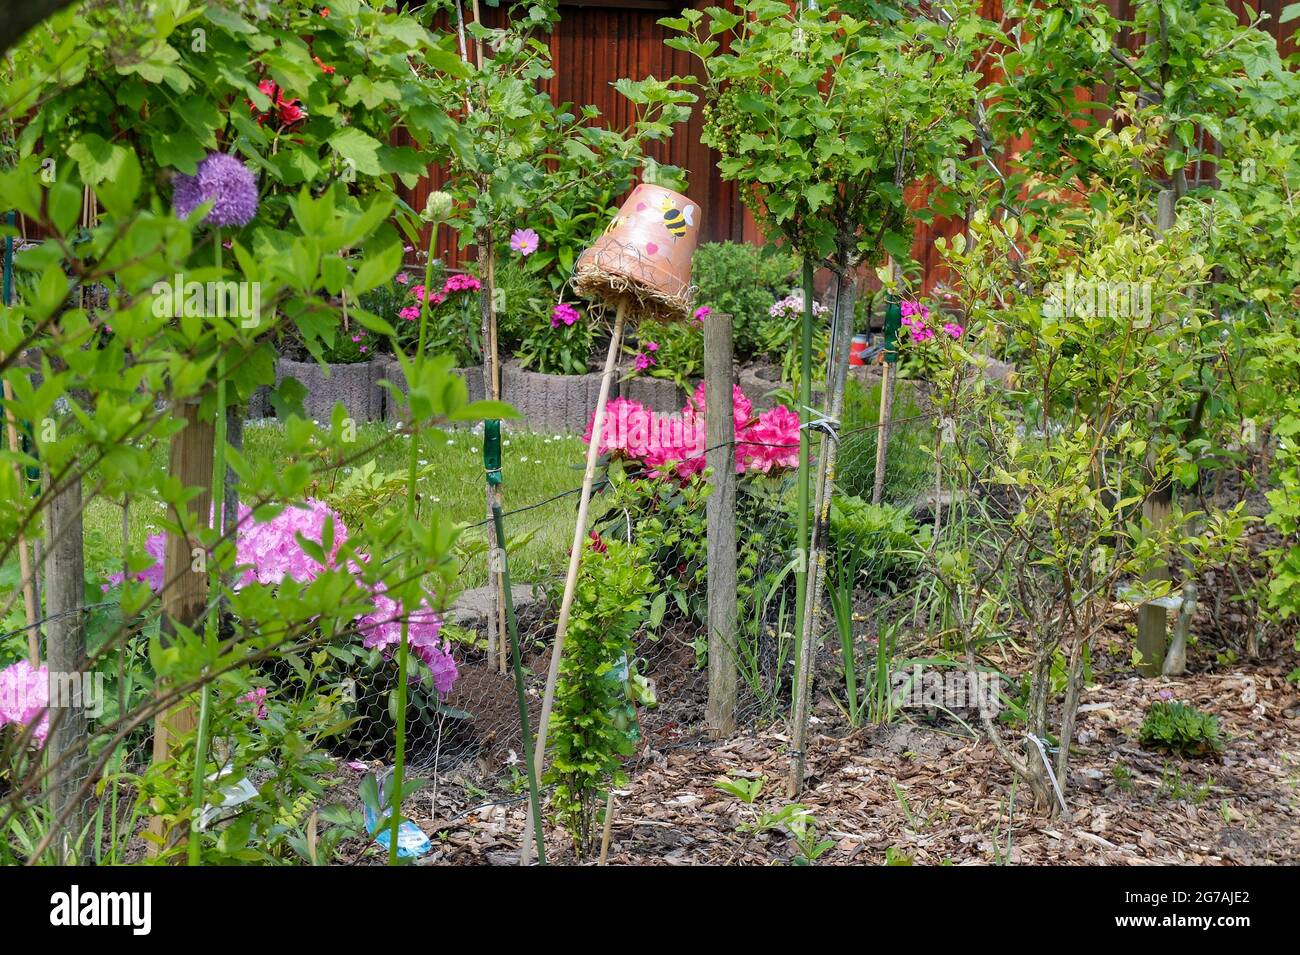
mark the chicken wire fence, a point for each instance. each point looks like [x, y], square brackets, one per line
[467, 740]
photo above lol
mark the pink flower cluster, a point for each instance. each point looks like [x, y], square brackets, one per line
[269, 552]
[675, 443]
[916, 319]
[24, 697]
[383, 631]
[645, 359]
[460, 282]
[792, 307]
[564, 314]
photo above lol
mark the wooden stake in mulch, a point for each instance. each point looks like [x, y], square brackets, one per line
[575, 558]
[888, 385]
[720, 433]
[642, 261]
[827, 453]
[1153, 620]
[185, 578]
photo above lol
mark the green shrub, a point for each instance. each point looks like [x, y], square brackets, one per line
[879, 539]
[1180, 728]
[743, 281]
[524, 301]
[591, 730]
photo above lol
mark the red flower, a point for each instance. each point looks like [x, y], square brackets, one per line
[324, 11]
[288, 109]
[598, 545]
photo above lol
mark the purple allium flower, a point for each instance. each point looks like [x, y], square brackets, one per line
[223, 180]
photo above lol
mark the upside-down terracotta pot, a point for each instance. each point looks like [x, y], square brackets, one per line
[644, 255]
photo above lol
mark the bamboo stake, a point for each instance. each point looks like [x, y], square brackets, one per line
[888, 385]
[828, 450]
[805, 447]
[575, 558]
[609, 825]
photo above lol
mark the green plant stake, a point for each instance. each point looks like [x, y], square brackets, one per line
[512, 628]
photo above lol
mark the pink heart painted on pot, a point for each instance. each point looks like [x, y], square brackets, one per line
[651, 248]
[640, 207]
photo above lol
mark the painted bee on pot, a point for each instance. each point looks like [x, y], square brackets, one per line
[676, 220]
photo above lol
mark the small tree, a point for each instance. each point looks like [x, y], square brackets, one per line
[1102, 318]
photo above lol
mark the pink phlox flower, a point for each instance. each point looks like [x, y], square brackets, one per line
[25, 698]
[460, 282]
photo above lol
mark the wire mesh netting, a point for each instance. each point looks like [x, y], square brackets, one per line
[335, 693]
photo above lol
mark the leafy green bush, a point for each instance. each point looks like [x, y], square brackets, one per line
[590, 729]
[559, 342]
[1180, 728]
[743, 281]
[524, 301]
[879, 539]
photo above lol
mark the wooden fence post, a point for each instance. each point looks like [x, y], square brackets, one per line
[185, 588]
[719, 377]
[1153, 622]
[65, 631]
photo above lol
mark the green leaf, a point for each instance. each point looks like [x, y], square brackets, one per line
[359, 150]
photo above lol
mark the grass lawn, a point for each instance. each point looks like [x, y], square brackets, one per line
[536, 467]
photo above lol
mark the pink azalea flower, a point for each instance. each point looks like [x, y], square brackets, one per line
[410, 313]
[651, 346]
[953, 329]
[258, 698]
[402, 278]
